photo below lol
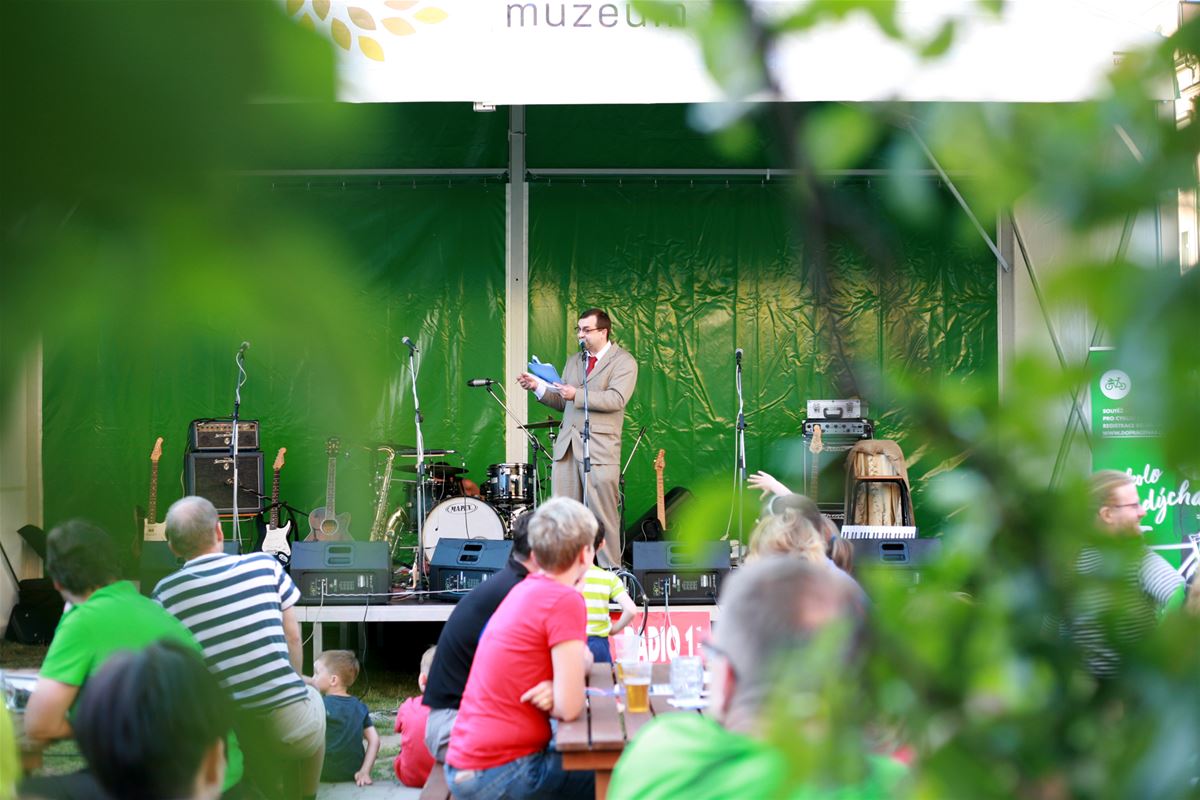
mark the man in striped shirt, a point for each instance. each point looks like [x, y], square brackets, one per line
[1113, 614]
[241, 610]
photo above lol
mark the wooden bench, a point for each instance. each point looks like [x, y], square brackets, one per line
[435, 787]
[596, 740]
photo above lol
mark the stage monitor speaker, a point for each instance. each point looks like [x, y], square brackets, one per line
[210, 475]
[910, 555]
[342, 573]
[158, 562]
[676, 573]
[459, 565]
[645, 528]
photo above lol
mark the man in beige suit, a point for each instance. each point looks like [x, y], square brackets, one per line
[611, 379]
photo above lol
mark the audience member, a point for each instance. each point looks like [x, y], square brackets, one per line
[414, 762]
[601, 587]
[788, 532]
[840, 551]
[460, 637]
[769, 610]
[107, 616]
[1110, 616]
[347, 720]
[152, 725]
[241, 611]
[530, 666]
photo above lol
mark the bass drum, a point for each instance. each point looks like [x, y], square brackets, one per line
[461, 518]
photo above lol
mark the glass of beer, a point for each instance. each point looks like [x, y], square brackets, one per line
[637, 686]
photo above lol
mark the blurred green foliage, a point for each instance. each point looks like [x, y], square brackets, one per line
[968, 668]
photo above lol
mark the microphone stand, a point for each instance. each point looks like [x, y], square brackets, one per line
[419, 561]
[237, 407]
[538, 448]
[587, 428]
[621, 484]
[740, 446]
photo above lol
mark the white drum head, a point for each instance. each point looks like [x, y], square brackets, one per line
[461, 518]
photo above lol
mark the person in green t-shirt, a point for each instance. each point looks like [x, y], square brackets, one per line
[768, 608]
[106, 616]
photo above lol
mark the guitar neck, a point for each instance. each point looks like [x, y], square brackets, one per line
[152, 506]
[329, 488]
[662, 505]
[275, 500]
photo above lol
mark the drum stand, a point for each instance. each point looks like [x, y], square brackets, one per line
[534, 445]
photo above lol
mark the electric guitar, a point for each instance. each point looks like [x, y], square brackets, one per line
[326, 524]
[275, 541]
[154, 531]
[816, 447]
[660, 463]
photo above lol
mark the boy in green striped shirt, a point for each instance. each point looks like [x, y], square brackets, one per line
[601, 587]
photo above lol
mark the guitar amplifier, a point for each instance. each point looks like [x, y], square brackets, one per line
[342, 573]
[675, 573]
[217, 434]
[158, 562]
[838, 435]
[210, 475]
[459, 565]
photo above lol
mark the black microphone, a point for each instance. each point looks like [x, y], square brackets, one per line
[738, 355]
[242, 350]
[481, 382]
[410, 344]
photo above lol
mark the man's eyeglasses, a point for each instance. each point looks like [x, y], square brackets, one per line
[711, 651]
[586, 330]
[1124, 505]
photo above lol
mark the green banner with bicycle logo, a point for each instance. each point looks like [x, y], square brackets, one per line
[1125, 438]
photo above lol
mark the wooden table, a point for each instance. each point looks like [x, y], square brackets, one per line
[596, 740]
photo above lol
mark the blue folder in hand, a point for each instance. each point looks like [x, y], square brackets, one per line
[546, 372]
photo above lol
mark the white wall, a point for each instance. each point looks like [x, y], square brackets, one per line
[20, 479]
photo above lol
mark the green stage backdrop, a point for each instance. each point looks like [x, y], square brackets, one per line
[691, 272]
[425, 261]
[688, 273]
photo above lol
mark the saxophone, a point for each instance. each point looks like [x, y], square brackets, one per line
[379, 526]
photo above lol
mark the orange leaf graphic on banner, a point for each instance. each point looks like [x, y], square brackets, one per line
[398, 26]
[362, 18]
[370, 47]
[293, 6]
[430, 16]
[321, 7]
[341, 34]
[306, 22]
[401, 5]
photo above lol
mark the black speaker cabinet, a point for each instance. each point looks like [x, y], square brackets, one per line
[217, 434]
[646, 529]
[210, 475]
[459, 565]
[676, 572]
[158, 562]
[342, 573]
[897, 554]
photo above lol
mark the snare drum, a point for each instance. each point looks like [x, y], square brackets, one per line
[509, 485]
[461, 518]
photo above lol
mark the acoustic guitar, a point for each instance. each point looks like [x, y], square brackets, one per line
[152, 530]
[275, 541]
[326, 525]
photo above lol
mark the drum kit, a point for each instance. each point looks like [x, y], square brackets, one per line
[456, 507]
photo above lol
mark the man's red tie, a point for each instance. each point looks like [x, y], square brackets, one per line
[591, 363]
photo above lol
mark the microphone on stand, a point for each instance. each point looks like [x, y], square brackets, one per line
[242, 350]
[738, 355]
[410, 344]
[481, 382]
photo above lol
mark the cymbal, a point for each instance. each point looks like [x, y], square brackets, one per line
[533, 426]
[403, 451]
[435, 470]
